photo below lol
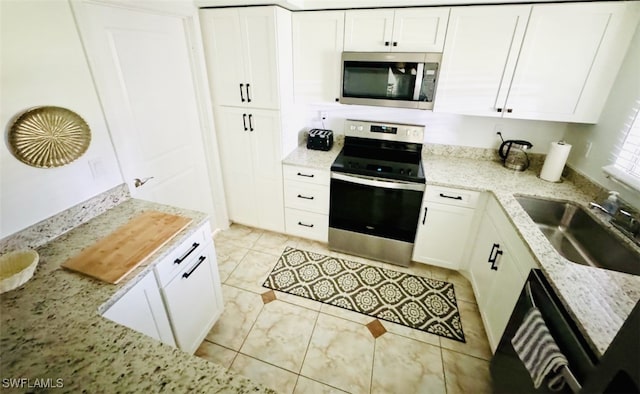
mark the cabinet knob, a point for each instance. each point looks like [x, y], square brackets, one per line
[386, 43]
[509, 110]
[499, 109]
[395, 43]
[241, 92]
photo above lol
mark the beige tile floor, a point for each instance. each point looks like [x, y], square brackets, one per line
[295, 345]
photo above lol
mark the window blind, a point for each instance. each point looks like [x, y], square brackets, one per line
[626, 157]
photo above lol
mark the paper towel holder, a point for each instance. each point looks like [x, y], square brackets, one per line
[555, 162]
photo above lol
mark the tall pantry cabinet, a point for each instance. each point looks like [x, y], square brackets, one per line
[248, 53]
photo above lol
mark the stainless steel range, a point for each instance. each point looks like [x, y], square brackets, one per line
[377, 183]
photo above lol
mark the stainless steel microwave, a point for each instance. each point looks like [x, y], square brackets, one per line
[389, 79]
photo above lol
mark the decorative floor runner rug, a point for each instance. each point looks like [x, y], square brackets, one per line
[413, 301]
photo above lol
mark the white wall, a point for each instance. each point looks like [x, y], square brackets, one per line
[43, 63]
[605, 134]
[441, 128]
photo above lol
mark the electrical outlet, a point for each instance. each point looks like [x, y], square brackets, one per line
[587, 148]
[323, 115]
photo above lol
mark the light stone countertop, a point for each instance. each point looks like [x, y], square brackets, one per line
[304, 157]
[599, 300]
[50, 328]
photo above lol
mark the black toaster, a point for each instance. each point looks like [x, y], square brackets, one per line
[320, 139]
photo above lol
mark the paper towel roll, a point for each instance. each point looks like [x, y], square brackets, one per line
[555, 161]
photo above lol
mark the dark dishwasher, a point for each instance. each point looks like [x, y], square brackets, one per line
[509, 374]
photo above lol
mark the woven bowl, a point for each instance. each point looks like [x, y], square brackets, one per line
[16, 268]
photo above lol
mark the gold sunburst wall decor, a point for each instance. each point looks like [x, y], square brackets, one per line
[48, 137]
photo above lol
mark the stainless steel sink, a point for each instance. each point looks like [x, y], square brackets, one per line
[579, 237]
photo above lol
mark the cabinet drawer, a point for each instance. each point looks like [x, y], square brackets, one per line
[306, 196]
[307, 224]
[192, 299]
[176, 259]
[306, 174]
[449, 196]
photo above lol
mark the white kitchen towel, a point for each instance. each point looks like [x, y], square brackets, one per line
[539, 352]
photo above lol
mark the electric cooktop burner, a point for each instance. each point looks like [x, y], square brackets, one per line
[390, 151]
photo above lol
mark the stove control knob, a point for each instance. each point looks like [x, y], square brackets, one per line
[360, 128]
[352, 127]
[408, 132]
[409, 172]
[401, 171]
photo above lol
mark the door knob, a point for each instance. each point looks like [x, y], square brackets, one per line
[137, 182]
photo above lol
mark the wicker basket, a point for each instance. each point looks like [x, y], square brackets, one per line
[16, 268]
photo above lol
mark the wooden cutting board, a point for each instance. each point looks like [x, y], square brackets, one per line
[114, 256]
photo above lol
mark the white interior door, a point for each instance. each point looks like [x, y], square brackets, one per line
[143, 70]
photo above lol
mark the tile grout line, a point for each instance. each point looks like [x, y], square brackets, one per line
[444, 371]
[236, 266]
[373, 364]
[315, 323]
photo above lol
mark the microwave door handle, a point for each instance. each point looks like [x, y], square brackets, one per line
[419, 78]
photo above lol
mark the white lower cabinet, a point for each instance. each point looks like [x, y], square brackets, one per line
[306, 224]
[141, 309]
[306, 200]
[446, 222]
[193, 299]
[499, 265]
[180, 300]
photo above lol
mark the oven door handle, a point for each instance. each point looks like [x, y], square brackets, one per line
[378, 182]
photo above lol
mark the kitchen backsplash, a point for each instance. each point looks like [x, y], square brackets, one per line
[441, 128]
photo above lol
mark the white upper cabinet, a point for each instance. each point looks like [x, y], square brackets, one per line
[241, 49]
[419, 29]
[318, 38]
[569, 59]
[401, 30]
[368, 30]
[478, 62]
[560, 68]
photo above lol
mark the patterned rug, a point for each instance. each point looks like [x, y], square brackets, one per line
[421, 303]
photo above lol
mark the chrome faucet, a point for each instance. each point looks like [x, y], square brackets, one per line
[624, 218]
